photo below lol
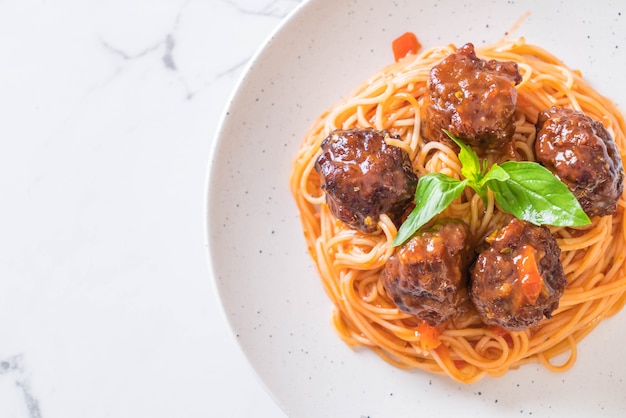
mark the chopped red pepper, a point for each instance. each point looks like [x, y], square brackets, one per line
[429, 336]
[501, 332]
[460, 364]
[529, 272]
[405, 44]
[508, 339]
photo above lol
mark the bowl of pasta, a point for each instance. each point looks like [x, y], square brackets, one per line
[419, 206]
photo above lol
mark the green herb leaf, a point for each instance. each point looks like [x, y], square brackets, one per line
[470, 165]
[477, 176]
[480, 187]
[435, 192]
[495, 173]
[532, 193]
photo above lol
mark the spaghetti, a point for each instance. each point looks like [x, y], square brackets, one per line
[349, 262]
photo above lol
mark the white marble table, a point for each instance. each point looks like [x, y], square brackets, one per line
[109, 109]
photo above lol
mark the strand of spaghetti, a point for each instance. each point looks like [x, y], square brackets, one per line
[593, 236]
[442, 160]
[351, 308]
[532, 100]
[488, 214]
[400, 144]
[559, 329]
[546, 356]
[599, 292]
[442, 357]
[307, 171]
[618, 264]
[343, 331]
[474, 355]
[412, 139]
[367, 289]
[371, 96]
[310, 223]
[575, 335]
[563, 95]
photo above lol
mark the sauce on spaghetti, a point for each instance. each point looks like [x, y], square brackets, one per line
[509, 293]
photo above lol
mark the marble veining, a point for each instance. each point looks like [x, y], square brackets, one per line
[13, 370]
[109, 112]
[165, 46]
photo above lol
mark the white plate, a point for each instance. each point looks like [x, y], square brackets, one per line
[265, 278]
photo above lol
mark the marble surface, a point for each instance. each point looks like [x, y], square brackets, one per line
[109, 110]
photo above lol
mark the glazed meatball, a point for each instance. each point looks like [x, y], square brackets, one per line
[364, 177]
[472, 98]
[427, 276]
[519, 278]
[582, 154]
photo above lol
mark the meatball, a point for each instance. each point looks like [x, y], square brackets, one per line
[519, 278]
[427, 276]
[472, 98]
[582, 154]
[364, 177]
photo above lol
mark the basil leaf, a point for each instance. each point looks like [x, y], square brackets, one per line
[495, 173]
[470, 165]
[532, 193]
[435, 192]
[480, 187]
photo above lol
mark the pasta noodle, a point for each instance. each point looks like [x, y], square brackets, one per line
[349, 262]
